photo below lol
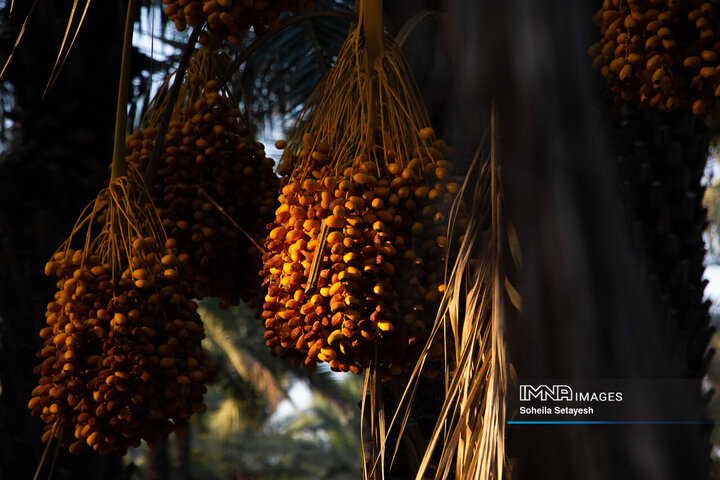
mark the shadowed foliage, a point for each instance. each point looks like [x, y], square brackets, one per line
[612, 256]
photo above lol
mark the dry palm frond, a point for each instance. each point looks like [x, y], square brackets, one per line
[413, 23]
[67, 43]
[19, 37]
[225, 421]
[471, 318]
[65, 47]
[45, 452]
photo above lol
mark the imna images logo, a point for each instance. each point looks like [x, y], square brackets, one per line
[563, 393]
[544, 393]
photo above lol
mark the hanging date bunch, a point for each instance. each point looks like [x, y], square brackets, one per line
[214, 188]
[231, 19]
[122, 359]
[355, 255]
[662, 54]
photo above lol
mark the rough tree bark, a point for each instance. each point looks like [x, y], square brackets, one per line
[158, 461]
[587, 309]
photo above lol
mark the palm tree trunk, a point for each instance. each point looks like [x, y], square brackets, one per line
[587, 309]
[158, 461]
[181, 457]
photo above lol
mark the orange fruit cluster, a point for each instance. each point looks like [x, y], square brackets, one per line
[122, 359]
[231, 18]
[379, 278]
[211, 174]
[661, 54]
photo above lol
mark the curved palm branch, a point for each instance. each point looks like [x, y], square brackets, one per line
[244, 362]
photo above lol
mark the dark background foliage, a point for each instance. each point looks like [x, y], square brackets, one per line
[599, 300]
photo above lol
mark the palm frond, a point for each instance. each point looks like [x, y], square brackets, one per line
[65, 47]
[19, 37]
[413, 23]
[245, 364]
[282, 76]
[225, 421]
[471, 427]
